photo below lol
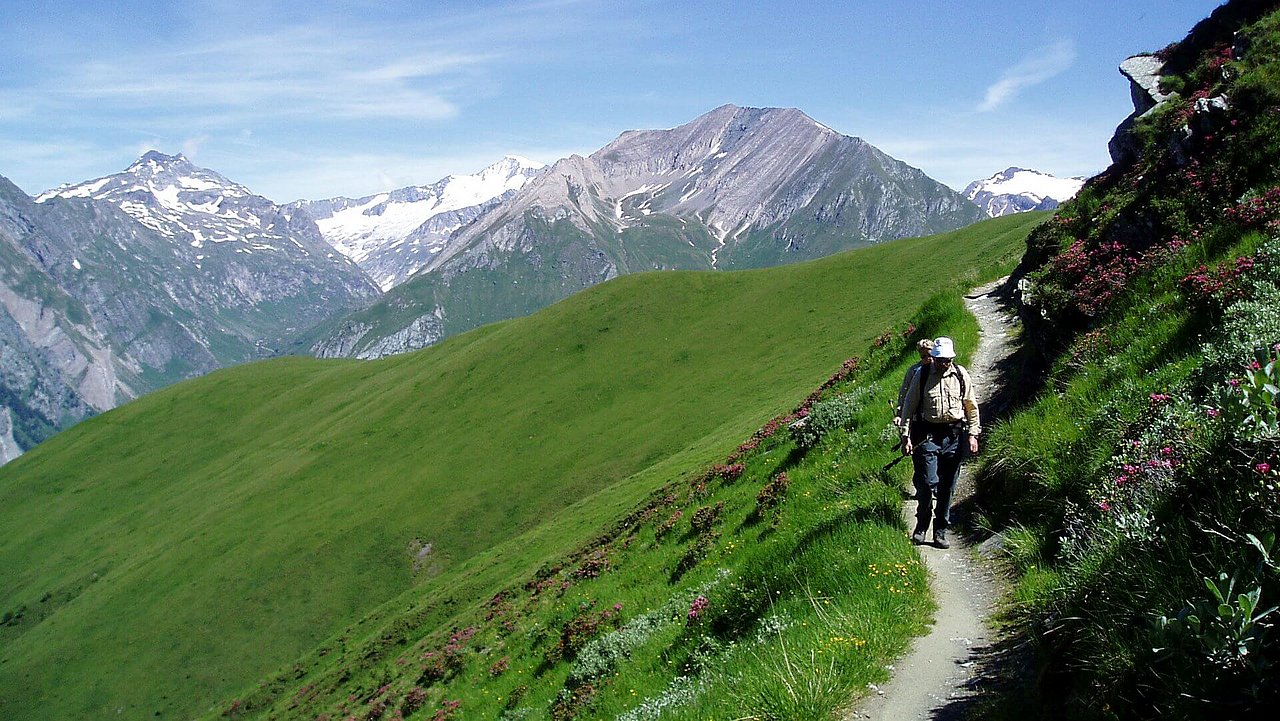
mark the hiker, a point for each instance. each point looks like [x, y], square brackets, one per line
[924, 348]
[939, 430]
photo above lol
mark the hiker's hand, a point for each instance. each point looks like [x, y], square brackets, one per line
[906, 446]
[973, 445]
[897, 421]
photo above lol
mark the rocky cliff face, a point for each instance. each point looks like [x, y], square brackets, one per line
[735, 188]
[120, 285]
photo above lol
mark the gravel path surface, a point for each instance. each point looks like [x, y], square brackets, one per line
[942, 672]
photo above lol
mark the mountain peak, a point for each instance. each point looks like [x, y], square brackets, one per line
[1016, 190]
[155, 157]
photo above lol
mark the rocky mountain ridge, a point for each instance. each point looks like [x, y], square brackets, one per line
[394, 234]
[734, 188]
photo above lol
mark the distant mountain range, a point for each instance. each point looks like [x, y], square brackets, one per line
[734, 188]
[122, 284]
[1018, 190]
[393, 235]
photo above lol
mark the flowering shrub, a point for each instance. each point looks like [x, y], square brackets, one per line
[1094, 273]
[846, 369]
[727, 473]
[752, 443]
[500, 666]
[1221, 286]
[415, 699]
[582, 627]
[499, 606]
[595, 564]
[448, 709]
[1256, 210]
[447, 660]
[697, 609]
[772, 494]
[1249, 323]
[1090, 346]
[669, 525]
[706, 517]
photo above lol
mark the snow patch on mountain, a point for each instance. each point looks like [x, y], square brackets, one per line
[175, 198]
[392, 235]
[1018, 190]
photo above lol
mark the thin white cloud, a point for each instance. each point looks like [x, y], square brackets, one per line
[1032, 70]
[191, 146]
[319, 76]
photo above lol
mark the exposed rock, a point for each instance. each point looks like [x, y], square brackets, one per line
[1143, 72]
[9, 448]
[422, 332]
[342, 342]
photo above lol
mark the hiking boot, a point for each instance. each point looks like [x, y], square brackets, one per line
[918, 537]
[939, 539]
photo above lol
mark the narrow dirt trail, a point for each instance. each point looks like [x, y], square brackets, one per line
[936, 679]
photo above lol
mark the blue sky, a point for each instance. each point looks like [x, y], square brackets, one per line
[315, 99]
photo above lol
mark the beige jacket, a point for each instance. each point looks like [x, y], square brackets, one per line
[942, 402]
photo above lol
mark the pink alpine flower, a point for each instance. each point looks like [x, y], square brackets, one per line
[1263, 468]
[698, 608]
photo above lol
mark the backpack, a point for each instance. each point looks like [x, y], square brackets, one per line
[961, 373]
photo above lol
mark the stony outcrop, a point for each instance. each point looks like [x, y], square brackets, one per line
[1143, 73]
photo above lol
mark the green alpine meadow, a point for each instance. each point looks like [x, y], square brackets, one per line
[336, 527]
[675, 495]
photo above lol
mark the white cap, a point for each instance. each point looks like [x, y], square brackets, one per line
[943, 348]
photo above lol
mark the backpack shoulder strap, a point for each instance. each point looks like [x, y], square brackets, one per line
[923, 374]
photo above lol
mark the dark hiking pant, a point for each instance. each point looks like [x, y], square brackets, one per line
[938, 451]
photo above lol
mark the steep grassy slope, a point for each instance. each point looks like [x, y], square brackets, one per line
[775, 585]
[172, 551]
[1137, 491]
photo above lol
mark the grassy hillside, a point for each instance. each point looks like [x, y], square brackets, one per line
[777, 585]
[1136, 493]
[171, 552]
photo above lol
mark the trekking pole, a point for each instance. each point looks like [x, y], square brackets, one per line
[892, 463]
[897, 460]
